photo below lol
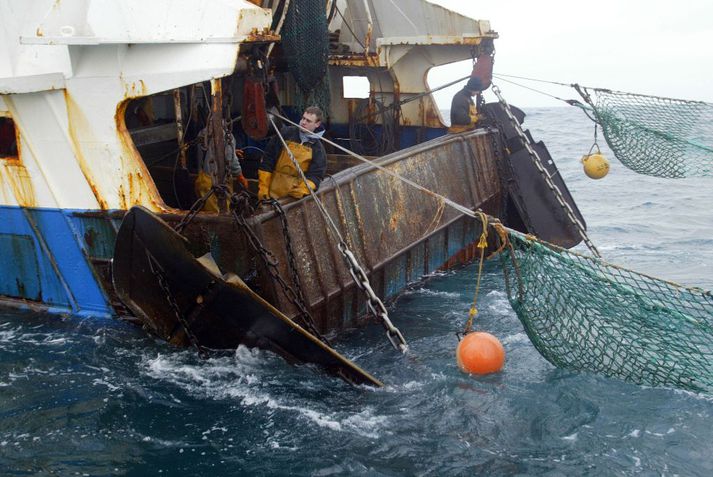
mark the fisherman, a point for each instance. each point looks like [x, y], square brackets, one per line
[464, 113]
[209, 166]
[277, 175]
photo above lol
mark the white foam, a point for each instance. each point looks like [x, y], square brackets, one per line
[55, 341]
[110, 386]
[500, 307]
[409, 386]
[236, 379]
[694, 394]
[273, 444]
[497, 294]
[429, 292]
[161, 442]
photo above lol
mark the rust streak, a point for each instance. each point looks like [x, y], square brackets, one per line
[264, 36]
[18, 178]
[433, 119]
[77, 120]
[141, 192]
[123, 201]
[133, 188]
[371, 60]
[90, 237]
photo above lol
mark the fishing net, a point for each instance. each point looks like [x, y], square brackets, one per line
[656, 136]
[584, 314]
[305, 39]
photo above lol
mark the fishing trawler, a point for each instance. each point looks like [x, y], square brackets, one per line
[102, 103]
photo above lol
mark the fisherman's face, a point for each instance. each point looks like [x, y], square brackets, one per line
[309, 122]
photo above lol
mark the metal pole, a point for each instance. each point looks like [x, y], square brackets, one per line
[179, 128]
[369, 28]
[217, 134]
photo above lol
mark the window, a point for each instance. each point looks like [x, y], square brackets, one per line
[8, 138]
[356, 87]
[442, 75]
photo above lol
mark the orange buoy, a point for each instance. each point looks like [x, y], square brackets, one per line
[595, 165]
[480, 353]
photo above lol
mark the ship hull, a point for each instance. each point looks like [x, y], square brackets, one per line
[59, 260]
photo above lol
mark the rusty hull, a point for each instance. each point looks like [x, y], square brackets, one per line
[397, 232]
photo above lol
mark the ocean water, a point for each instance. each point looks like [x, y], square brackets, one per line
[97, 397]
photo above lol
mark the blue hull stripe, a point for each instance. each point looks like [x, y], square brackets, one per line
[43, 259]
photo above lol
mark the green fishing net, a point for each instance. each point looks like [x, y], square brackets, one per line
[656, 136]
[582, 313]
[305, 40]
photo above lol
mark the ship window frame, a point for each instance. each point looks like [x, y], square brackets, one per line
[6, 152]
[353, 87]
[439, 75]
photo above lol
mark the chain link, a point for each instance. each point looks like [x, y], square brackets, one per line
[198, 206]
[375, 305]
[241, 202]
[292, 263]
[240, 206]
[551, 185]
[158, 273]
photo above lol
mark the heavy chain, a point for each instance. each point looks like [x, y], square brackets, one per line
[375, 305]
[242, 202]
[239, 206]
[537, 161]
[373, 302]
[161, 278]
[291, 262]
[198, 206]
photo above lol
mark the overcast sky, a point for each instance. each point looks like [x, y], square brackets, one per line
[656, 47]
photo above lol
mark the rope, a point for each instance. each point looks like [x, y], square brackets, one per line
[654, 135]
[346, 24]
[375, 305]
[278, 29]
[537, 161]
[482, 245]
[460, 208]
[412, 98]
[585, 314]
[568, 101]
[501, 76]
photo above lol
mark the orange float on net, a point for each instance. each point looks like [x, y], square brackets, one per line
[480, 353]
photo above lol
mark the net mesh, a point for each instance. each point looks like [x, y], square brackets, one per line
[657, 136]
[584, 314]
[305, 39]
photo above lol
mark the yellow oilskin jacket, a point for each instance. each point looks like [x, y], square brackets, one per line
[473, 114]
[285, 179]
[202, 185]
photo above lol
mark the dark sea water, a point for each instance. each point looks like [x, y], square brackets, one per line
[84, 397]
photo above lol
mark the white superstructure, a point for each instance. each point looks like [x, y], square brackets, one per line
[67, 70]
